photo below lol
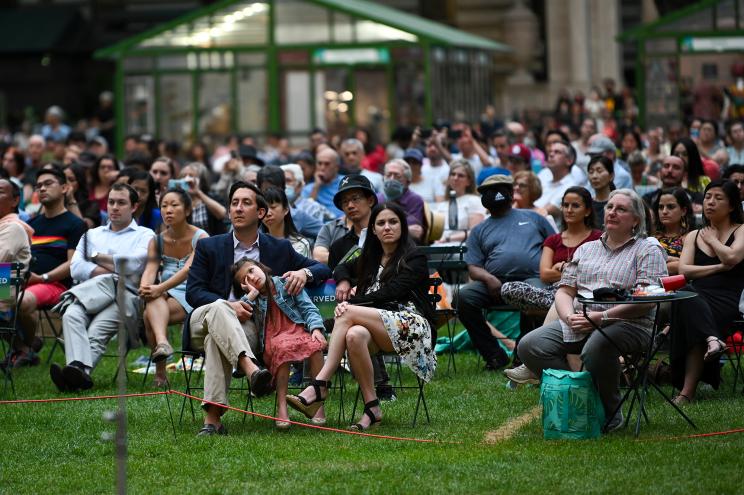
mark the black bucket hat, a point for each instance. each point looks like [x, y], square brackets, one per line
[354, 181]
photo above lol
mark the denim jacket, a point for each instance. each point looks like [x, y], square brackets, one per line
[300, 309]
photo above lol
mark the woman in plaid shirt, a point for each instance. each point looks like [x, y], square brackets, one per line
[623, 258]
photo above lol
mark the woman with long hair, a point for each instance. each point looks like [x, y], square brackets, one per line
[388, 310]
[686, 149]
[147, 213]
[170, 253]
[601, 173]
[162, 170]
[102, 176]
[77, 200]
[278, 221]
[470, 211]
[713, 259]
[630, 143]
[290, 329]
[674, 219]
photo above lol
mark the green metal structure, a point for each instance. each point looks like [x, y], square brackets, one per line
[289, 66]
[684, 48]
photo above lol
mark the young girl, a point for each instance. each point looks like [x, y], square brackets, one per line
[290, 328]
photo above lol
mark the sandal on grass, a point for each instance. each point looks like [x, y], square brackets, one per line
[374, 420]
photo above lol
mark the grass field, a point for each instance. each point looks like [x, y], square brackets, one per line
[57, 447]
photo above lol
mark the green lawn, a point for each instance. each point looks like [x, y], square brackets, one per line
[57, 448]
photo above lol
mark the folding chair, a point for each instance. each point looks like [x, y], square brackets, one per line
[735, 352]
[443, 259]
[188, 352]
[12, 286]
[397, 382]
[398, 370]
[45, 315]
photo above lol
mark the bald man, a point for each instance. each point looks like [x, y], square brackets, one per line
[326, 181]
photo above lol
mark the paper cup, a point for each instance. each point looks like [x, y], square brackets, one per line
[673, 282]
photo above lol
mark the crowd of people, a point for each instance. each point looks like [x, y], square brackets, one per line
[225, 239]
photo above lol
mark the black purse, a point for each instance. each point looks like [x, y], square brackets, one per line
[610, 294]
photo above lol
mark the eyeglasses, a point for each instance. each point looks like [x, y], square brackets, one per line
[46, 184]
[357, 198]
[521, 185]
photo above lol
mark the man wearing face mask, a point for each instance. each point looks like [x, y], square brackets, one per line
[395, 188]
[504, 247]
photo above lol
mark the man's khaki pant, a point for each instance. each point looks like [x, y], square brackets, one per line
[215, 328]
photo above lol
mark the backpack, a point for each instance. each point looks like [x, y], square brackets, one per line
[572, 408]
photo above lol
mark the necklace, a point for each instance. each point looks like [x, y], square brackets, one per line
[572, 249]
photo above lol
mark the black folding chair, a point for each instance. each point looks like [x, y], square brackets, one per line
[189, 356]
[45, 315]
[734, 357]
[447, 260]
[397, 371]
[14, 280]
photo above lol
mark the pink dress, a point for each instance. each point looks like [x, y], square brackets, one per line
[284, 340]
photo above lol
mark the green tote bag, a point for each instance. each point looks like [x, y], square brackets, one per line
[571, 405]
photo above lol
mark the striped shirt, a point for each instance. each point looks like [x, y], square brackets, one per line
[595, 265]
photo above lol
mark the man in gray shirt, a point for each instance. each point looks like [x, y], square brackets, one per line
[504, 247]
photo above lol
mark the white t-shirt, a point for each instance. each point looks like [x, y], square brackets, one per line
[440, 172]
[552, 191]
[467, 204]
[429, 187]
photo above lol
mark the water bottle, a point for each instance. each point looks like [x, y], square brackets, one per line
[453, 220]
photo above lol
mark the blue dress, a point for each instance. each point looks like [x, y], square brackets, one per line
[171, 266]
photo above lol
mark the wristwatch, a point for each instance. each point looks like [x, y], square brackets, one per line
[308, 274]
[45, 277]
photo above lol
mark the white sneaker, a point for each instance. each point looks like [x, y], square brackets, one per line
[521, 374]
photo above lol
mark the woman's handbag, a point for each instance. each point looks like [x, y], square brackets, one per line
[572, 408]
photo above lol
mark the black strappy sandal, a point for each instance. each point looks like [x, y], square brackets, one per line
[309, 408]
[374, 420]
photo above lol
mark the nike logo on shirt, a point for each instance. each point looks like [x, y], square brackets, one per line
[524, 223]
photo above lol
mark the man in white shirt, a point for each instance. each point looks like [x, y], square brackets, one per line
[561, 157]
[434, 164]
[92, 319]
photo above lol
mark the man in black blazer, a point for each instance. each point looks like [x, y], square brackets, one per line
[221, 324]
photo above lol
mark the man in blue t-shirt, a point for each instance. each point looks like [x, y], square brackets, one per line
[504, 247]
[327, 180]
[56, 233]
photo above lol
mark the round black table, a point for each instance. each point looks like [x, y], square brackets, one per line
[640, 383]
